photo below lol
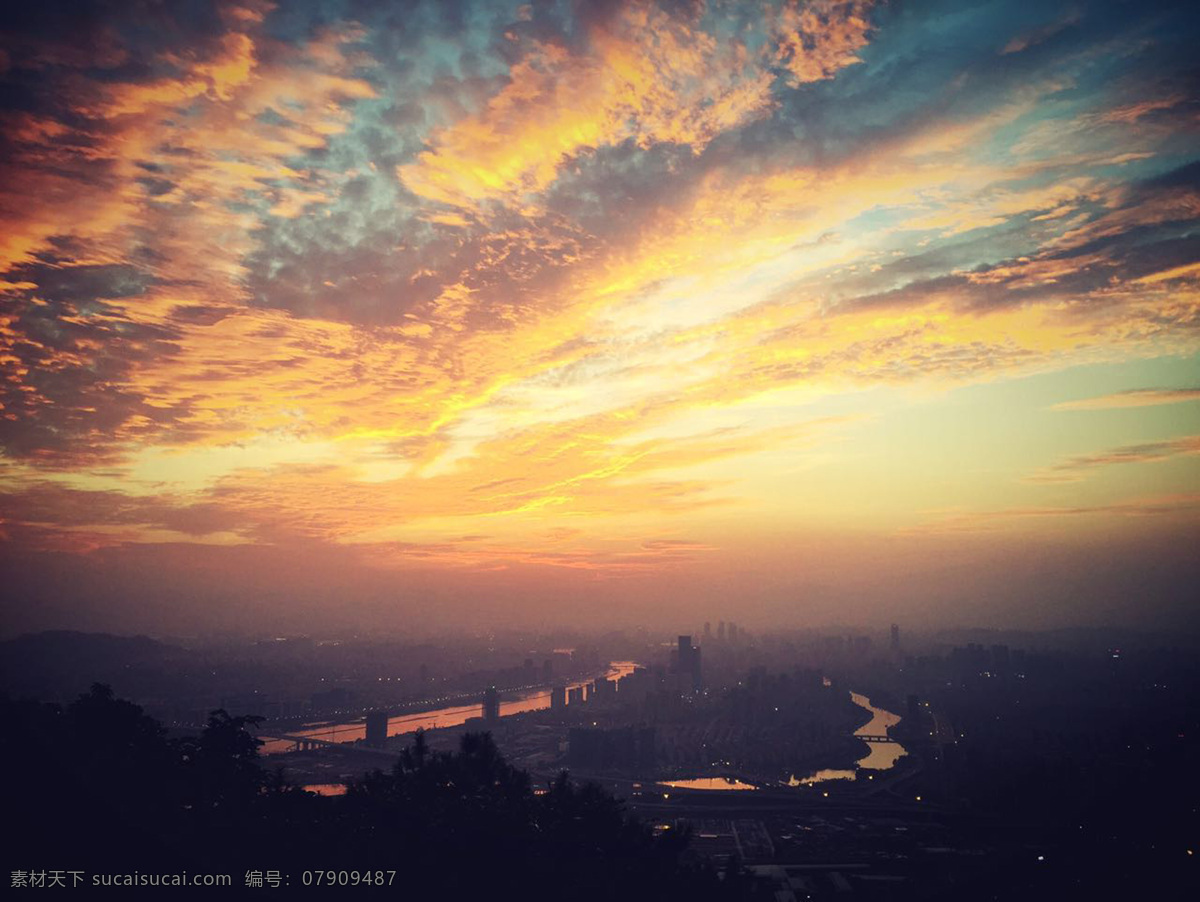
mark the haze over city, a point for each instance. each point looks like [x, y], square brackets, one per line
[404, 316]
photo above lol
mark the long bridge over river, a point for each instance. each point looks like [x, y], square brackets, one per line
[308, 743]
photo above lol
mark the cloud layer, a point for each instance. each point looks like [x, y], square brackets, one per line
[580, 287]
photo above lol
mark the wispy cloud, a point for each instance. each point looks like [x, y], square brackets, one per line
[1184, 504]
[1077, 468]
[1133, 397]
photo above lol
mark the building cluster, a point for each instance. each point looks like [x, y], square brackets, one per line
[725, 632]
[977, 660]
[598, 691]
[629, 749]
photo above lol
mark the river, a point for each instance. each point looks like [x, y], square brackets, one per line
[439, 718]
[881, 755]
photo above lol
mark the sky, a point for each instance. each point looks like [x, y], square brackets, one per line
[332, 314]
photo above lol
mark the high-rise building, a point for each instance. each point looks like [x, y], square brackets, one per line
[707, 632]
[377, 727]
[721, 631]
[491, 705]
[558, 698]
[547, 671]
[575, 695]
[688, 661]
[895, 637]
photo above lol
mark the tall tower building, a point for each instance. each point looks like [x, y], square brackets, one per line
[895, 637]
[689, 660]
[377, 726]
[685, 653]
[491, 705]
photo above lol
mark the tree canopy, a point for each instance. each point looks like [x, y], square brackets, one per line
[99, 784]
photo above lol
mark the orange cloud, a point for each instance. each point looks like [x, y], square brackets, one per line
[222, 153]
[819, 38]
[1127, 115]
[645, 76]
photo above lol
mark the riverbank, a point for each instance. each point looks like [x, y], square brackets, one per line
[838, 759]
[842, 757]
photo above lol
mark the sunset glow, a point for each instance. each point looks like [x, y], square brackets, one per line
[804, 309]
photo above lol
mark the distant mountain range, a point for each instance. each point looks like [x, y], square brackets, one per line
[64, 663]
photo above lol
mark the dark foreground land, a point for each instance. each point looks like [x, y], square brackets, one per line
[1048, 776]
[97, 787]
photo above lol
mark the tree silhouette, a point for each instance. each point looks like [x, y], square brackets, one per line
[102, 785]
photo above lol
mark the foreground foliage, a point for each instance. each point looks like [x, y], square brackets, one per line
[98, 784]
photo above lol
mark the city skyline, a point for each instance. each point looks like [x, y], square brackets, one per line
[368, 317]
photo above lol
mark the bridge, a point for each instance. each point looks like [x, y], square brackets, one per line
[873, 737]
[307, 743]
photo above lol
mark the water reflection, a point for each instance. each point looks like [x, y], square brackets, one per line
[880, 755]
[453, 716]
[709, 783]
[822, 776]
[326, 789]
